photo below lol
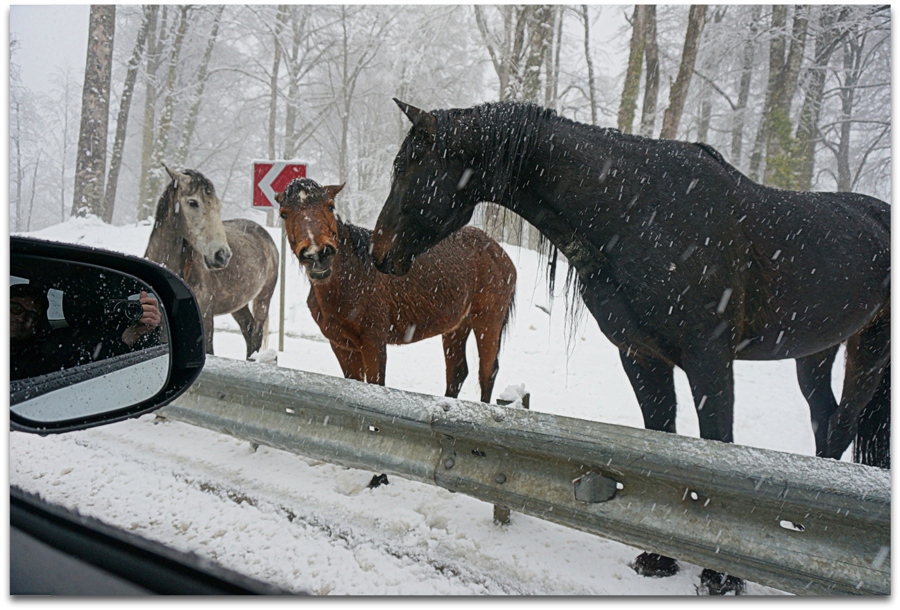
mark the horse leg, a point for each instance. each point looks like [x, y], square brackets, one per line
[814, 377]
[868, 356]
[246, 323]
[654, 386]
[455, 357]
[488, 328]
[351, 363]
[710, 373]
[207, 318]
[261, 304]
[873, 435]
[374, 357]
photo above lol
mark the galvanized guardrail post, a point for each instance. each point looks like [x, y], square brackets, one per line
[798, 523]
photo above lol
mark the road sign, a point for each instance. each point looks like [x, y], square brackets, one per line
[271, 177]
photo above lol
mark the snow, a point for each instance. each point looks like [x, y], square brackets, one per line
[306, 525]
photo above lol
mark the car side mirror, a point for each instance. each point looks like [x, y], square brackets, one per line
[95, 336]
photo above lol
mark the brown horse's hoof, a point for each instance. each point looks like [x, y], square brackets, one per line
[657, 566]
[378, 480]
[717, 583]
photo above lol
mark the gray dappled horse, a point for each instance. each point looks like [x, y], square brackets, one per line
[681, 259]
[227, 264]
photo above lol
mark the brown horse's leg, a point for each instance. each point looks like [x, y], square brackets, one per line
[488, 330]
[814, 377]
[374, 357]
[351, 363]
[245, 322]
[455, 357]
[868, 356]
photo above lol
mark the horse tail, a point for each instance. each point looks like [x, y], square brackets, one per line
[873, 434]
[510, 312]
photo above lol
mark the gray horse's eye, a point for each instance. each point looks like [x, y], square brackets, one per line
[193, 203]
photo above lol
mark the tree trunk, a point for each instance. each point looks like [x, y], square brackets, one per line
[651, 83]
[147, 197]
[273, 83]
[161, 146]
[780, 170]
[827, 40]
[20, 172]
[592, 87]
[190, 122]
[628, 102]
[679, 90]
[115, 163]
[737, 128]
[90, 166]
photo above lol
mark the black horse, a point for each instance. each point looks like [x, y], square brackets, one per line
[683, 261]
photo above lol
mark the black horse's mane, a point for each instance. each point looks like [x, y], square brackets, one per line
[510, 131]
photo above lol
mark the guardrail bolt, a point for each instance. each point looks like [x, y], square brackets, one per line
[593, 488]
[500, 479]
[448, 463]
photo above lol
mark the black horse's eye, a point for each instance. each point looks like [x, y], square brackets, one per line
[193, 203]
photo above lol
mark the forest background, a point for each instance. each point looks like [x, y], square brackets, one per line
[797, 96]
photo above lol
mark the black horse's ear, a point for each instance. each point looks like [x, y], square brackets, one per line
[422, 120]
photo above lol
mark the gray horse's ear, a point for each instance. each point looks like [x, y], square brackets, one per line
[425, 121]
[176, 175]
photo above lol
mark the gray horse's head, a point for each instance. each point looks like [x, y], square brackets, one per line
[197, 212]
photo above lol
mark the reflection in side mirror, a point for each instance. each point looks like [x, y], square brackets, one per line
[84, 340]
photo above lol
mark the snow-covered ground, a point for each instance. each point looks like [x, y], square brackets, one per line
[310, 526]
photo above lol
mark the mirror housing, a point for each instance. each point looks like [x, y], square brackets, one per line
[186, 348]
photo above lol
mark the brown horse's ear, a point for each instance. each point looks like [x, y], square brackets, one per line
[333, 190]
[422, 120]
[279, 197]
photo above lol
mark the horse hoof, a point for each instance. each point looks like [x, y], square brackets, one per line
[717, 583]
[653, 565]
[378, 480]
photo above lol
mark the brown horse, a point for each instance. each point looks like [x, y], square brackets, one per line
[466, 283]
[226, 264]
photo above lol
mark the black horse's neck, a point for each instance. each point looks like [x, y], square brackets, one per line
[552, 172]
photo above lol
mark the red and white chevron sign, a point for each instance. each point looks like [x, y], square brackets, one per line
[271, 177]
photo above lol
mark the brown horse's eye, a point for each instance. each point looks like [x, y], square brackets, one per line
[193, 203]
[283, 215]
[330, 208]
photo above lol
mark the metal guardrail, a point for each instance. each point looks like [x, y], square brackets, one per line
[801, 524]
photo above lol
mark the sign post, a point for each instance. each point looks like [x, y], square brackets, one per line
[270, 178]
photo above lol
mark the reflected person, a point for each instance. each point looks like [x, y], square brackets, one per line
[97, 333]
[28, 329]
